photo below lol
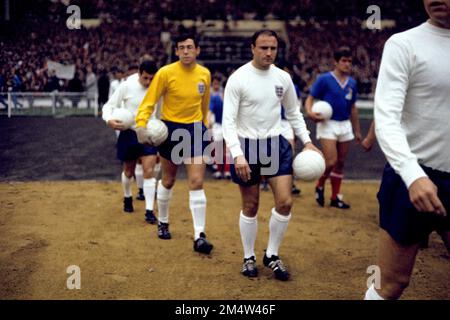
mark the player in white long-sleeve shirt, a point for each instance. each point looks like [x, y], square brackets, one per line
[252, 130]
[412, 111]
[129, 95]
[138, 172]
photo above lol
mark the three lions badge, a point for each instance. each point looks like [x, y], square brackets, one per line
[279, 91]
[201, 87]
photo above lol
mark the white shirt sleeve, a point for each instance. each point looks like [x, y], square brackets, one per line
[392, 86]
[115, 101]
[293, 114]
[230, 112]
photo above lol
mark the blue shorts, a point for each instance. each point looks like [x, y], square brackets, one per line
[185, 140]
[270, 157]
[129, 149]
[399, 217]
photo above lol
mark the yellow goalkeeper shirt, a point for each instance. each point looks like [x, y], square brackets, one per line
[185, 94]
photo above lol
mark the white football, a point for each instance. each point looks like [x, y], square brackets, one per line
[324, 108]
[309, 165]
[158, 131]
[124, 115]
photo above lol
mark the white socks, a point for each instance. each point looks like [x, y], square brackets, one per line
[149, 187]
[249, 228]
[126, 185]
[277, 228]
[163, 197]
[139, 174]
[372, 294]
[197, 204]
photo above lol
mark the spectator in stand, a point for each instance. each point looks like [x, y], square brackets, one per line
[90, 85]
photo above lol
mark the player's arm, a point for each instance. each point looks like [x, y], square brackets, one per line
[148, 105]
[315, 93]
[354, 119]
[205, 101]
[230, 112]
[293, 114]
[155, 91]
[114, 102]
[370, 138]
[392, 86]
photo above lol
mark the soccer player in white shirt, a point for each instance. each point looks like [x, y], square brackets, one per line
[129, 95]
[412, 111]
[252, 130]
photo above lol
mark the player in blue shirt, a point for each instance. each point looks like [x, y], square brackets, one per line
[337, 88]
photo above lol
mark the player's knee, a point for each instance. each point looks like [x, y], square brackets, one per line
[284, 206]
[330, 163]
[148, 173]
[168, 182]
[195, 183]
[251, 208]
[128, 173]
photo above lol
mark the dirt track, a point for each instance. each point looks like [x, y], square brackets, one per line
[55, 218]
[47, 226]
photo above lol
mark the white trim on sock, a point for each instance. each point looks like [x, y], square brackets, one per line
[149, 193]
[197, 204]
[277, 228]
[163, 196]
[372, 294]
[139, 175]
[126, 185]
[248, 228]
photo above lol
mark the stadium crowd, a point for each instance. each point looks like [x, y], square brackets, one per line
[127, 32]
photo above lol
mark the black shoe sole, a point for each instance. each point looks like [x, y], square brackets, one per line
[206, 250]
[250, 275]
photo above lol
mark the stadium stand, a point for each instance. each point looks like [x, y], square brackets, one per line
[114, 35]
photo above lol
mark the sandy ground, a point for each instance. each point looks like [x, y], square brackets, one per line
[47, 226]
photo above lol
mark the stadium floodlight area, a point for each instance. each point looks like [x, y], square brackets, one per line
[49, 104]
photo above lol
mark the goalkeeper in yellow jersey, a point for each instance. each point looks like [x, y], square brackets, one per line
[184, 88]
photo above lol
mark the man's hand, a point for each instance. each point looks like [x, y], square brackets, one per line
[242, 168]
[143, 136]
[316, 116]
[367, 144]
[116, 124]
[358, 137]
[310, 146]
[423, 195]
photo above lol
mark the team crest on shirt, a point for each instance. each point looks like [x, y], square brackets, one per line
[279, 91]
[349, 95]
[201, 87]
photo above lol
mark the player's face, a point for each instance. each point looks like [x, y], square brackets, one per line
[264, 51]
[216, 85]
[187, 52]
[145, 79]
[344, 65]
[439, 12]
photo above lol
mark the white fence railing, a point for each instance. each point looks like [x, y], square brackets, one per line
[49, 103]
[85, 104]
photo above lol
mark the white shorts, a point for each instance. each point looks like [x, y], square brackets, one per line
[217, 132]
[341, 131]
[287, 131]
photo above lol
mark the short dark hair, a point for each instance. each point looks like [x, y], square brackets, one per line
[185, 36]
[342, 51]
[266, 32]
[148, 66]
